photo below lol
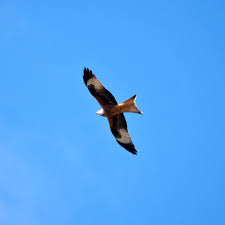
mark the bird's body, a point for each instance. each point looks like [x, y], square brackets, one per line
[112, 110]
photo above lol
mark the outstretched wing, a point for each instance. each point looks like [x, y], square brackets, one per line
[103, 96]
[118, 126]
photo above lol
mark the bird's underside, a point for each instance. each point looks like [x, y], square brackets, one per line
[126, 106]
[112, 110]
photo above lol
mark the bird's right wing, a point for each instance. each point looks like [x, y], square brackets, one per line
[102, 95]
[118, 126]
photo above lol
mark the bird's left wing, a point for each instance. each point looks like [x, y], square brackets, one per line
[103, 96]
[118, 126]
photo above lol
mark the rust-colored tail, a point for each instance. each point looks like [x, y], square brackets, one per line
[130, 106]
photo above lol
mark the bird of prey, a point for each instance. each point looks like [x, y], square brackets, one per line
[112, 110]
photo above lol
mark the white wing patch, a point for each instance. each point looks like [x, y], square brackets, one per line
[125, 137]
[96, 83]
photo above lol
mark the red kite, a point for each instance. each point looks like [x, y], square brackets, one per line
[112, 110]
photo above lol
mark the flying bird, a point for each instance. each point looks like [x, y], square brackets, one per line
[112, 110]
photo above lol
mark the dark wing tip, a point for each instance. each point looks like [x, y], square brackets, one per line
[86, 70]
[134, 152]
[87, 75]
[129, 147]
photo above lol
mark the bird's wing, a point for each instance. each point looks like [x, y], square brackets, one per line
[102, 95]
[118, 126]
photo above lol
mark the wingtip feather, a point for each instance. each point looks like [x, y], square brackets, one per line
[129, 147]
[87, 75]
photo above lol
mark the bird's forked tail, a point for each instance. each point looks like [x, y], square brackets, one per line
[130, 105]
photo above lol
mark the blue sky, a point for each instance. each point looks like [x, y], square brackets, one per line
[60, 164]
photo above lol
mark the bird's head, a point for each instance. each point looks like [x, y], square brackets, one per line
[101, 112]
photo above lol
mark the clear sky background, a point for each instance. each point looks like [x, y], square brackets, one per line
[60, 164]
